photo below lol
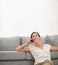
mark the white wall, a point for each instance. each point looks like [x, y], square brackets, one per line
[22, 17]
[0, 16]
[53, 17]
[47, 19]
[9, 18]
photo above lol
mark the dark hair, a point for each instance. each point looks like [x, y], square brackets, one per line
[33, 33]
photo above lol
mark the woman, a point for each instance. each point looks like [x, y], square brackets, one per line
[40, 52]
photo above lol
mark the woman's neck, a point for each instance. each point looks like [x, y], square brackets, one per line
[38, 43]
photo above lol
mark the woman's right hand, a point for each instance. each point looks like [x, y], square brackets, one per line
[30, 40]
[24, 45]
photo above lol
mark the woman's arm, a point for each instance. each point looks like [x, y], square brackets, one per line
[54, 48]
[23, 47]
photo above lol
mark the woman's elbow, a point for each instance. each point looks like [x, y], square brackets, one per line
[17, 49]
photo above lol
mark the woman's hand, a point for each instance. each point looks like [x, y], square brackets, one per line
[23, 45]
[30, 40]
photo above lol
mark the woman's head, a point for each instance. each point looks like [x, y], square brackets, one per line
[35, 36]
[36, 33]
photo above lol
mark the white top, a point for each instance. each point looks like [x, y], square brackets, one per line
[39, 54]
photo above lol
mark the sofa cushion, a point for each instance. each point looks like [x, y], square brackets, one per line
[55, 61]
[52, 40]
[9, 44]
[24, 39]
[12, 55]
[43, 38]
[18, 62]
[29, 56]
[54, 54]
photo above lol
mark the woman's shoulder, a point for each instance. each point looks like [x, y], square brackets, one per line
[47, 46]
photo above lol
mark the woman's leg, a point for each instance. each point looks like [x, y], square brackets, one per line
[47, 62]
[39, 64]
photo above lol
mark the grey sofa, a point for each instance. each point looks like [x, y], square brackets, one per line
[9, 56]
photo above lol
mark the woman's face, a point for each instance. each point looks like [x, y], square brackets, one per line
[35, 37]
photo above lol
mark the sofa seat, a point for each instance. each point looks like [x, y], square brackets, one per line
[54, 54]
[12, 55]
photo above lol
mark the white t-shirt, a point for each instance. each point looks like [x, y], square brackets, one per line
[39, 54]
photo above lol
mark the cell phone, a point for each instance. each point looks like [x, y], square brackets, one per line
[31, 40]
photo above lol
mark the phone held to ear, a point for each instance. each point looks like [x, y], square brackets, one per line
[31, 40]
